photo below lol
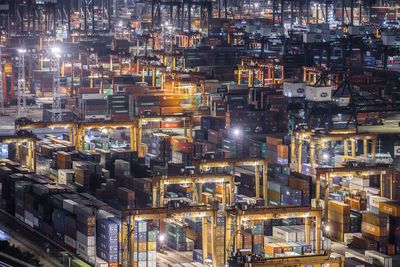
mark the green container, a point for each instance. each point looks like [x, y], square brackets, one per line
[108, 91]
[257, 229]
[148, 104]
[79, 263]
[151, 236]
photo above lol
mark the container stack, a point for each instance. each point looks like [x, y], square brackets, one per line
[355, 222]
[119, 107]
[274, 193]
[304, 185]
[194, 231]
[152, 248]
[374, 227]
[82, 177]
[160, 147]
[64, 160]
[70, 235]
[146, 105]
[65, 176]
[391, 209]
[107, 240]
[182, 148]
[86, 232]
[338, 219]
[126, 198]
[176, 236]
[277, 153]
[140, 246]
[93, 106]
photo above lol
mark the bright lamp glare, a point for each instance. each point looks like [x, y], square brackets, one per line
[55, 50]
[21, 50]
[327, 228]
[236, 132]
[162, 238]
[325, 156]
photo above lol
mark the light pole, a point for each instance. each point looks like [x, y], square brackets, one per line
[56, 108]
[21, 95]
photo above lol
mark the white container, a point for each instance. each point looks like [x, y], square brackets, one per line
[390, 39]
[379, 259]
[85, 240]
[353, 254]
[373, 201]
[289, 235]
[142, 256]
[28, 222]
[300, 234]
[294, 89]
[152, 255]
[92, 96]
[102, 214]
[82, 249]
[360, 181]
[326, 243]
[100, 262]
[28, 216]
[177, 157]
[319, 94]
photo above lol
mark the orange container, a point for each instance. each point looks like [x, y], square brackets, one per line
[390, 208]
[373, 229]
[282, 151]
[272, 248]
[274, 141]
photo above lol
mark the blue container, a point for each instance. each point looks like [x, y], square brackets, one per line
[198, 255]
[336, 180]
[110, 257]
[258, 248]
[336, 197]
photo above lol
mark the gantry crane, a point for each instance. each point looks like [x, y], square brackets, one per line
[19, 138]
[318, 140]
[232, 163]
[270, 213]
[77, 128]
[328, 173]
[128, 218]
[159, 184]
